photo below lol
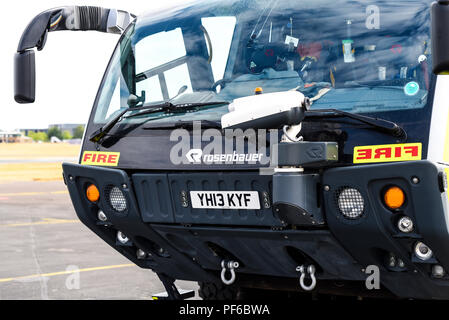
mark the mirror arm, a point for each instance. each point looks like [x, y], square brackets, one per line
[71, 18]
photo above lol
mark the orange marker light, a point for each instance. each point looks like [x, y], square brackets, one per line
[394, 197]
[258, 90]
[92, 193]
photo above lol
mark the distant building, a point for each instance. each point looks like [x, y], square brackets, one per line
[10, 136]
[70, 127]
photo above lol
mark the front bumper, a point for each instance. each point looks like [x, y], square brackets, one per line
[183, 245]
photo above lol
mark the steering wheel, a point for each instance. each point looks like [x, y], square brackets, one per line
[221, 82]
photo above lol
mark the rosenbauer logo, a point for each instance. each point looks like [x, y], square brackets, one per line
[212, 146]
[388, 153]
[98, 158]
[196, 156]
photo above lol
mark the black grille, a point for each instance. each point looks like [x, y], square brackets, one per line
[350, 203]
[115, 199]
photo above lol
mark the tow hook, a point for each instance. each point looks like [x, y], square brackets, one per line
[311, 271]
[231, 265]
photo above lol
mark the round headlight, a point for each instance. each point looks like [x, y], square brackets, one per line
[117, 199]
[351, 203]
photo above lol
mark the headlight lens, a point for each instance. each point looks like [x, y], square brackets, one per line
[117, 199]
[351, 203]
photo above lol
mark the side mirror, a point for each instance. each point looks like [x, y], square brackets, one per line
[71, 18]
[440, 36]
[24, 77]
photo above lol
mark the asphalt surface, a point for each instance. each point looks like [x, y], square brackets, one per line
[46, 253]
[37, 160]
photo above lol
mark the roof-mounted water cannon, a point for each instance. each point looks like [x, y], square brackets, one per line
[70, 18]
[266, 111]
[440, 36]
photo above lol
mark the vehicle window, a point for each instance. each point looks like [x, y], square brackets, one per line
[152, 88]
[220, 30]
[159, 48]
[176, 78]
[349, 55]
[114, 92]
[156, 50]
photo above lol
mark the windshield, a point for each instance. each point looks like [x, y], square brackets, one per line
[355, 56]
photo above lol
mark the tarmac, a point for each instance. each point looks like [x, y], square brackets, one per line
[47, 253]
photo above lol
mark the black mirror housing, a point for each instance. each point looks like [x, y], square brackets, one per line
[73, 18]
[24, 76]
[440, 37]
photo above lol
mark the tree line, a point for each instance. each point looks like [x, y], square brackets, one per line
[56, 132]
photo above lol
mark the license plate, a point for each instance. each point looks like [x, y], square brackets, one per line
[225, 200]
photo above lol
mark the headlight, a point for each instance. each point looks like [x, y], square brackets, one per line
[117, 199]
[350, 203]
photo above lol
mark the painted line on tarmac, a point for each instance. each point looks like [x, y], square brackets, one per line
[45, 275]
[45, 221]
[21, 194]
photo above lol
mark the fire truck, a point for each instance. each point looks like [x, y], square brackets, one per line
[295, 146]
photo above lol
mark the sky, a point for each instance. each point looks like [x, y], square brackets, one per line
[68, 70]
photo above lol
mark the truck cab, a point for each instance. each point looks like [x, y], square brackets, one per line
[285, 145]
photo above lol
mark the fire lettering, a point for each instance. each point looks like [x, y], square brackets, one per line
[413, 150]
[98, 158]
[364, 154]
[388, 153]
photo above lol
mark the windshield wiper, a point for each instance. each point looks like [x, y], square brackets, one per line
[382, 125]
[395, 84]
[169, 107]
[183, 124]
[166, 107]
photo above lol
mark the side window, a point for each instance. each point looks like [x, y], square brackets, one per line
[163, 57]
[114, 93]
[115, 101]
[221, 31]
